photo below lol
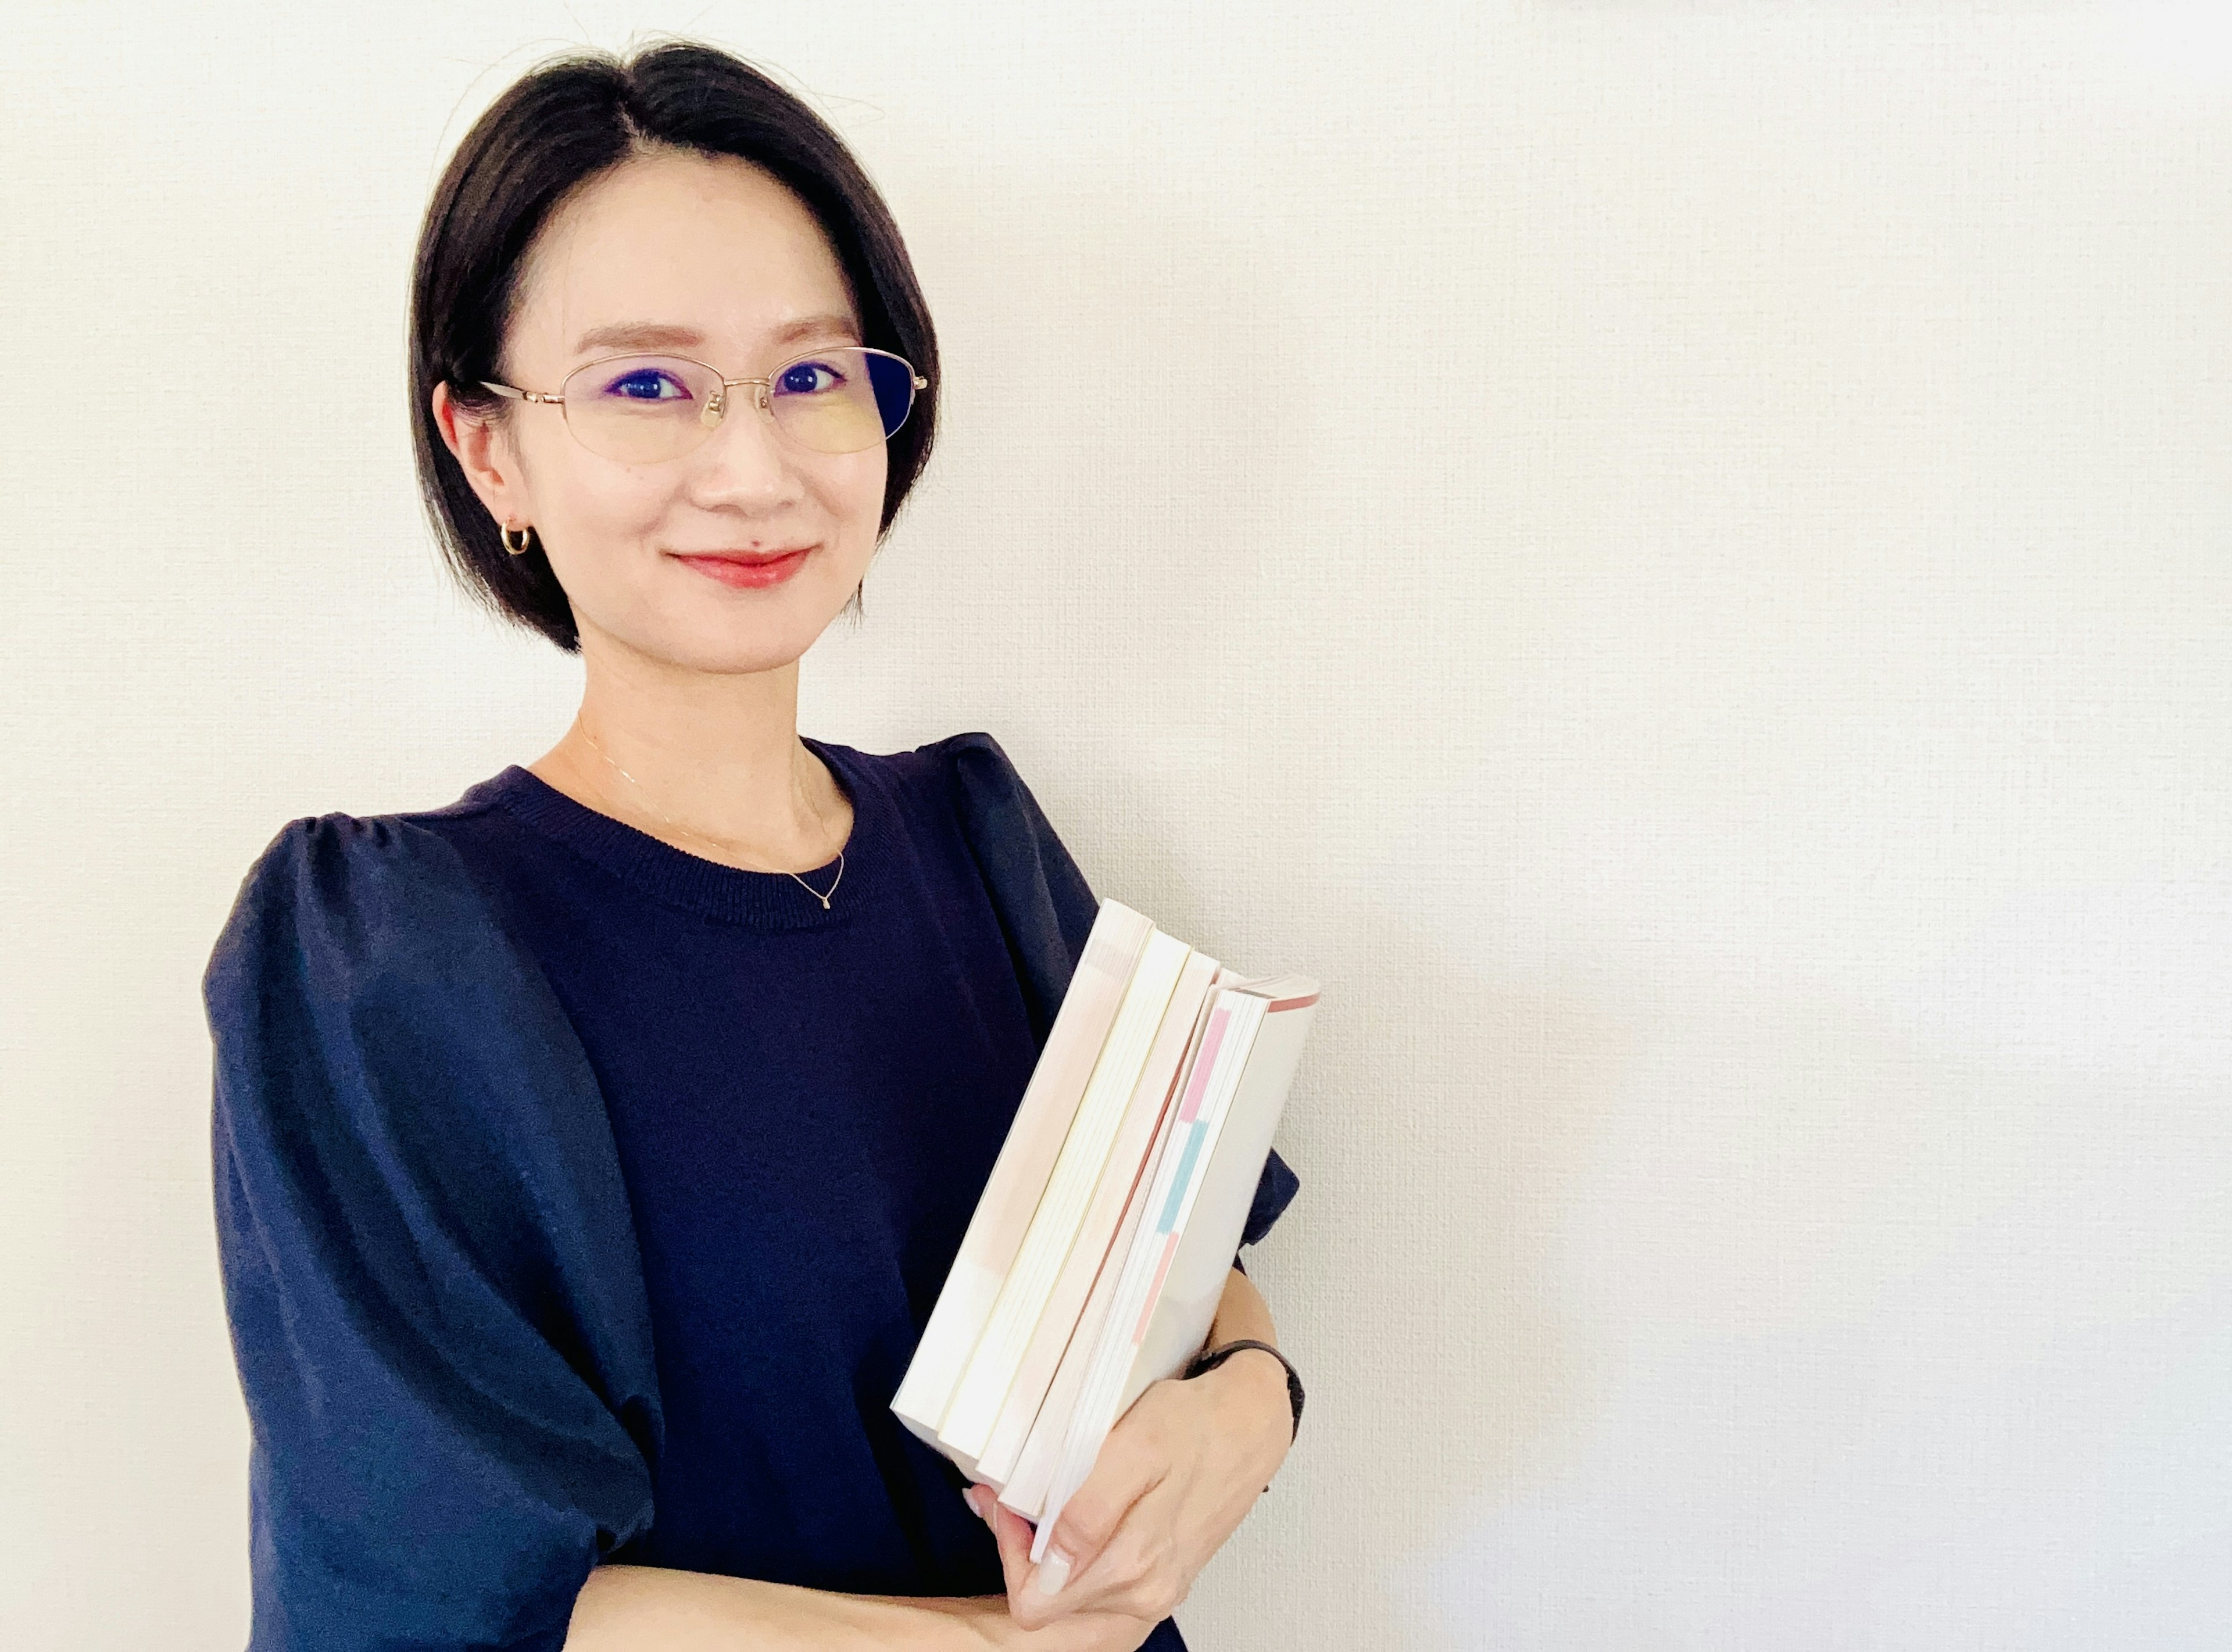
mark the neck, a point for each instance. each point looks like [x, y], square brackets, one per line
[716, 754]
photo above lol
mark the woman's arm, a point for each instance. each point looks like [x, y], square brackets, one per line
[627, 1609]
[622, 1608]
[1243, 1315]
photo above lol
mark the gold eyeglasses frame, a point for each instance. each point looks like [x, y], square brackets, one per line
[717, 409]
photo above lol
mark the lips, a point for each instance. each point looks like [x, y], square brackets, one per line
[746, 559]
[747, 570]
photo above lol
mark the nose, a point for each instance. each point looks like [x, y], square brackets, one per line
[743, 454]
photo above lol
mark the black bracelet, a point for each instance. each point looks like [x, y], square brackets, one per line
[1209, 1358]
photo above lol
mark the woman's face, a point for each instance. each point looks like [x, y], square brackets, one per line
[718, 251]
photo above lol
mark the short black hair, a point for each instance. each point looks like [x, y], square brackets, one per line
[570, 119]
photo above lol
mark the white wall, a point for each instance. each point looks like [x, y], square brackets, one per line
[1674, 555]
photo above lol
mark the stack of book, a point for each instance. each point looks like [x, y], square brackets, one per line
[1099, 1249]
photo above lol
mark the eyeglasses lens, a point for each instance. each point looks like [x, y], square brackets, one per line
[644, 409]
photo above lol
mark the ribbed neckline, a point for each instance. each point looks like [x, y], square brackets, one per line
[759, 900]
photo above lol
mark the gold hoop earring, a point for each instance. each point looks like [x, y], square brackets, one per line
[520, 549]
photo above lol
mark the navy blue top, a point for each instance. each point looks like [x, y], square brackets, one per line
[582, 1198]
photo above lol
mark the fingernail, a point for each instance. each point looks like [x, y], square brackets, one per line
[1053, 1572]
[975, 1507]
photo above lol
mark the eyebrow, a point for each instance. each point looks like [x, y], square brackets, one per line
[665, 335]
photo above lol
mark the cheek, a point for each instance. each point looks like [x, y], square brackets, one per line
[606, 528]
[854, 496]
[614, 507]
[602, 501]
[628, 504]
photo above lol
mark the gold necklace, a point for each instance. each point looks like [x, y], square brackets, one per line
[727, 848]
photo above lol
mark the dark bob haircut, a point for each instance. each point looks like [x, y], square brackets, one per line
[568, 121]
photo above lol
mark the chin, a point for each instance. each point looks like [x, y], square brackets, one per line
[778, 636]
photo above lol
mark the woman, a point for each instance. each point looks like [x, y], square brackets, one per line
[591, 1151]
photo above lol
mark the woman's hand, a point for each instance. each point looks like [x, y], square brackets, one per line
[1086, 1631]
[1176, 1475]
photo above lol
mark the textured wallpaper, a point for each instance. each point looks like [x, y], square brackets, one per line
[1675, 556]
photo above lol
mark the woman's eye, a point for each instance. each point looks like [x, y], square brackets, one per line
[644, 384]
[805, 378]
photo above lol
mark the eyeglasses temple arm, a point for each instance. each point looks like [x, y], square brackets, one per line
[519, 395]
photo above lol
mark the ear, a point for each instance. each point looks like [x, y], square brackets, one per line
[484, 452]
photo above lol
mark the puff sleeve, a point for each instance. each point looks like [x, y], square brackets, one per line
[429, 1269]
[1047, 909]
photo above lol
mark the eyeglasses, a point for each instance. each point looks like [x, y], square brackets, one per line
[644, 409]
